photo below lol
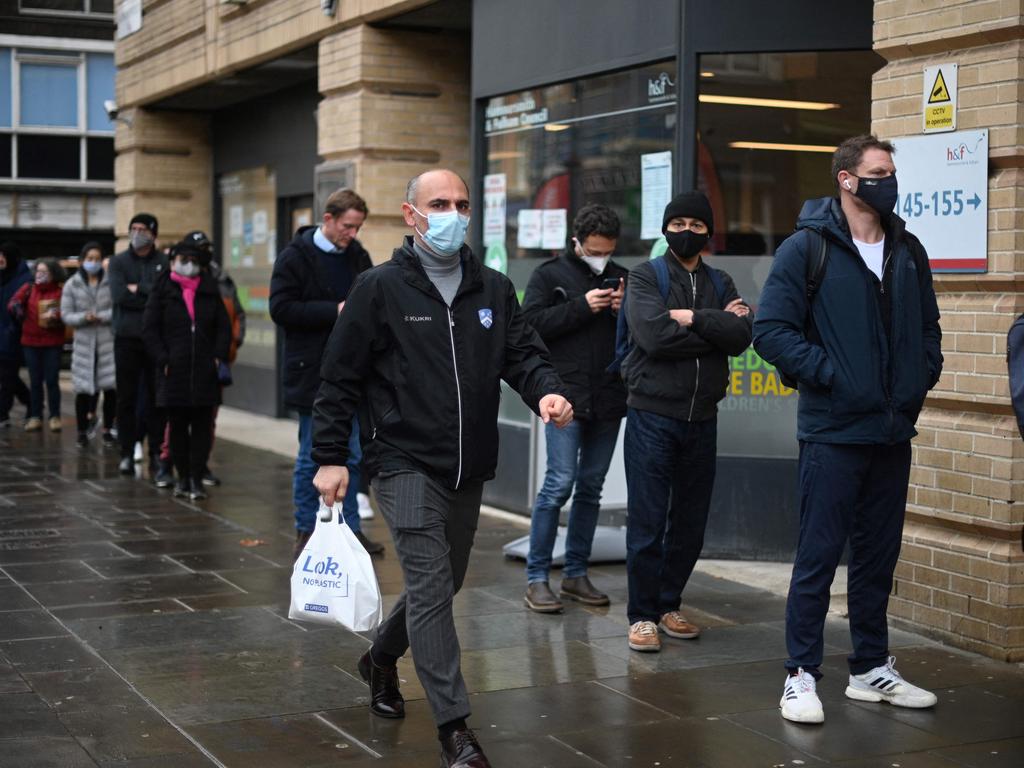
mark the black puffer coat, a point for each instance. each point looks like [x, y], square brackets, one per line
[185, 353]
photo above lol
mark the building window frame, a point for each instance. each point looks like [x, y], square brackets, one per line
[66, 54]
[85, 13]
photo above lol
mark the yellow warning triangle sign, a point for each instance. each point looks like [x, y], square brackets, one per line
[939, 92]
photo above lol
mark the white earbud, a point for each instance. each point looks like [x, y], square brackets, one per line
[847, 183]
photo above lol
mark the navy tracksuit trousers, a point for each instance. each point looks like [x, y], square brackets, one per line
[855, 493]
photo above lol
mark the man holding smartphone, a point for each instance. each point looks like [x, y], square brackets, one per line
[572, 300]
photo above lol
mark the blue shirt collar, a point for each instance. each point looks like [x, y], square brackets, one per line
[321, 242]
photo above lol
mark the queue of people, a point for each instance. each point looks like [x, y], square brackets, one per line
[420, 342]
[154, 335]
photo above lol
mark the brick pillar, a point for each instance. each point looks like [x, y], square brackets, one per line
[164, 166]
[395, 103]
[961, 573]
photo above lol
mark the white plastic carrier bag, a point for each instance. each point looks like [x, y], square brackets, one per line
[333, 581]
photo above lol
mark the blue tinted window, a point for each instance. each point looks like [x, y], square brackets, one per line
[49, 95]
[5, 87]
[99, 77]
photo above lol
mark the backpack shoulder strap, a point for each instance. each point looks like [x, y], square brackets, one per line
[718, 282]
[661, 273]
[816, 264]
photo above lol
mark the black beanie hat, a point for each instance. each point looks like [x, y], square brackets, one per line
[147, 220]
[693, 205]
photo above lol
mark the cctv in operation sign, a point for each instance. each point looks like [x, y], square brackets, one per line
[943, 182]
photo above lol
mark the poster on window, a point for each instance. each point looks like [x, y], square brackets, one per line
[553, 229]
[529, 231]
[655, 192]
[494, 208]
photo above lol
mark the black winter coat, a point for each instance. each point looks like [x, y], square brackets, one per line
[128, 268]
[303, 303]
[582, 343]
[188, 351]
[428, 375]
[680, 372]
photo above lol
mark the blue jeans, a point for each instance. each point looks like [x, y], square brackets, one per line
[855, 493]
[43, 365]
[578, 455]
[670, 473]
[304, 494]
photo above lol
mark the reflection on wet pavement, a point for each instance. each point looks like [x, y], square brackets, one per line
[137, 630]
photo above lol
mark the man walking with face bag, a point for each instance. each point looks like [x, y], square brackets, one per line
[864, 350]
[422, 346]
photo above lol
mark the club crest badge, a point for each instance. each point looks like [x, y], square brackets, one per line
[486, 317]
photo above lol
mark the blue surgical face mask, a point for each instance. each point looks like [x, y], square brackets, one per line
[92, 267]
[445, 231]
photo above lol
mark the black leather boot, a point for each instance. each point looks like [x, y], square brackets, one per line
[385, 698]
[460, 749]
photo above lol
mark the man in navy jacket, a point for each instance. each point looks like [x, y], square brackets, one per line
[865, 350]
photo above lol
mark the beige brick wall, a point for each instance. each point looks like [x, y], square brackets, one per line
[395, 103]
[961, 573]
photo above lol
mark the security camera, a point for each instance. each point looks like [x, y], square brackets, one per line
[111, 107]
[328, 7]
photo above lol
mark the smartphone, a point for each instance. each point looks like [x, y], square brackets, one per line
[610, 282]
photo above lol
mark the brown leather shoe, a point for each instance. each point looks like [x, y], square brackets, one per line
[674, 624]
[643, 636]
[372, 547]
[580, 588]
[385, 698]
[541, 599]
[461, 750]
[301, 537]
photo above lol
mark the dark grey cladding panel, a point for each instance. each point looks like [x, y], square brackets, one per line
[534, 42]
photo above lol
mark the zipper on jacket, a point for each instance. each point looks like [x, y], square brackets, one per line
[696, 381]
[458, 391]
[192, 366]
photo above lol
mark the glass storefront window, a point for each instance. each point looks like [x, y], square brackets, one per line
[564, 146]
[767, 126]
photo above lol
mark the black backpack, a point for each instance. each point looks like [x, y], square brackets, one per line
[1015, 367]
[814, 276]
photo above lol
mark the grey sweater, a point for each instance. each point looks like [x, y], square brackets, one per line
[445, 272]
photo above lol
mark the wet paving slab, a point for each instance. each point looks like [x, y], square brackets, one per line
[138, 630]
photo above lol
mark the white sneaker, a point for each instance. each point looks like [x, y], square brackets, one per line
[137, 456]
[365, 510]
[800, 702]
[884, 683]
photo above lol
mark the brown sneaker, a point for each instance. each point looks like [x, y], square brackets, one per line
[55, 424]
[580, 588]
[34, 424]
[301, 537]
[674, 624]
[643, 636]
[541, 599]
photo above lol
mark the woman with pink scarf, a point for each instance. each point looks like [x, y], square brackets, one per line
[187, 332]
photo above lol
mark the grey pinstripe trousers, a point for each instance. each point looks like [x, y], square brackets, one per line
[433, 529]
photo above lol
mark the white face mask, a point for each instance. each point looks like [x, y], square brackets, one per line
[596, 263]
[186, 268]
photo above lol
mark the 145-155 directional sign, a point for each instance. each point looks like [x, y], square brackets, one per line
[943, 181]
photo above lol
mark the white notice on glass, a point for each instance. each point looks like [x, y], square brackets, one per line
[529, 235]
[656, 192]
[259, 227]
[494, 208]
[553, 228]
[235, 220]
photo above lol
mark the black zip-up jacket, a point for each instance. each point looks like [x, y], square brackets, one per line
[187, 350]
[428, 375]
[581, 342]
[128, 268]
[673, 370]
[303, 303]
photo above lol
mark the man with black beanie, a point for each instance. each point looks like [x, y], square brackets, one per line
[132, 274]
[685, 319]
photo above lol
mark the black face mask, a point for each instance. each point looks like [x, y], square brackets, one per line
[686, 244]
[880, 194]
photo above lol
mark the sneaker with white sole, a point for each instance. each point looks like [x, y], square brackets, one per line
[800, 702]
[365, 510]
[643, 637]
[884, 683]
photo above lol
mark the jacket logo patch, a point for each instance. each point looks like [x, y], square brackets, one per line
[417, 318]
[486, 317]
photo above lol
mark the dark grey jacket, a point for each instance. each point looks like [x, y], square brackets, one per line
[128, 268]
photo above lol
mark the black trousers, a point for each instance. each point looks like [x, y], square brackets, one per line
[191, 435]
[135, 367]
[86, 404]
[11, 388]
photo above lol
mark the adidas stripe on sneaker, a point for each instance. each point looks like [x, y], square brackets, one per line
[884, 683]
[800, 702]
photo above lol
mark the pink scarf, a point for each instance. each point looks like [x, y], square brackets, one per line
[188, 292]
